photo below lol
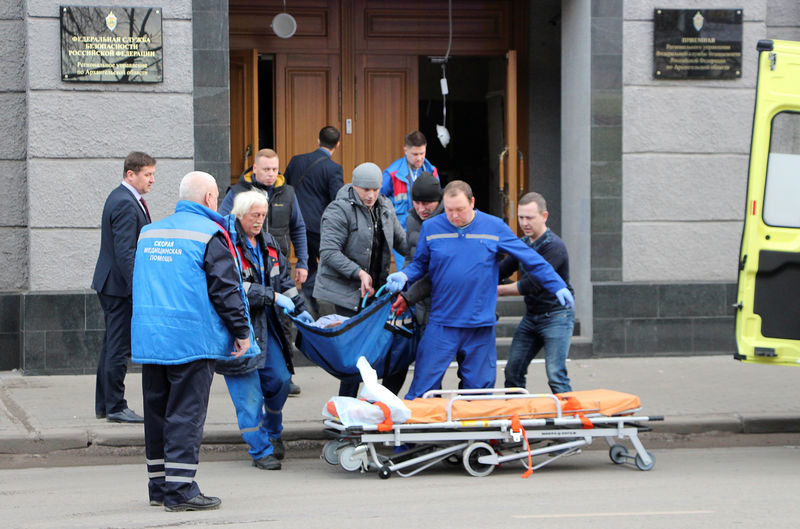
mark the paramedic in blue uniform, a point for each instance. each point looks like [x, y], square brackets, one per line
[546, 323]
[189, 310]
[262, 382]
[460, 252]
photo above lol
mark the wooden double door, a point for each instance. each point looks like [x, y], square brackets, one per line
[310, 93]
[353, 64]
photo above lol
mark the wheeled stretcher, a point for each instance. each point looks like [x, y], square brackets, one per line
[484, 428]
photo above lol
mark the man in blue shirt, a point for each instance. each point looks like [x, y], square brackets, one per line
[459, 251]
[546, 323]
[399, 177]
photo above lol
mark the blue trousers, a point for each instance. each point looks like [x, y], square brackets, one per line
[551, 330]
[474, 347]
[175, 399]
[252, 392]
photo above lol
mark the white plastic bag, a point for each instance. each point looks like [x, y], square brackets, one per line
[353, 412]
[373, 391]
[356, 412]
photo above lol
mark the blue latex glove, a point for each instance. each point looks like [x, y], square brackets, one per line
[396, 281]
[305, 317]
[565, 298]
[284, 302]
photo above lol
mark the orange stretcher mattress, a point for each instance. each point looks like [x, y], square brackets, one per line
[598, 401]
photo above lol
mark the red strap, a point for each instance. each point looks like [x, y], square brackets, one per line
[245, 262]
[516, 426]
[228, 239]
[573, 404]
[387, 424]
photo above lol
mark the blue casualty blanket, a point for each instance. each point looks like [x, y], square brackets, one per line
[388, 344]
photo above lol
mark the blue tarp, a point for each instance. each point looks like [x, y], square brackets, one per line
[366, 334]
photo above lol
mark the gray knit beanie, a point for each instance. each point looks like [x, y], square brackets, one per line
[367, 175]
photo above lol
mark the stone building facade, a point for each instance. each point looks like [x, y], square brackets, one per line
[652, 172]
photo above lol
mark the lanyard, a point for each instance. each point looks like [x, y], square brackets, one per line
[259, 257]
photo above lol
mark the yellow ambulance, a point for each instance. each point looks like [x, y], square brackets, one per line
[768, 300]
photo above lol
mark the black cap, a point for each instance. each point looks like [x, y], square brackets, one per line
[426, 188]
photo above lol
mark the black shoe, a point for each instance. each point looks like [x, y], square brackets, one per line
[278, 450]
[156, 503]
[126, 415]
[198, 503]
[294, 389]
[269, 462]
[100, 414]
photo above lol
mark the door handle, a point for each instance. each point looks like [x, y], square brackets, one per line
[247, 152]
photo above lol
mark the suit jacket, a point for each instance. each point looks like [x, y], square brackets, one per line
[123, 219]
[318, 188]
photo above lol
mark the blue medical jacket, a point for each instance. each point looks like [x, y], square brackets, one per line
[463, 266]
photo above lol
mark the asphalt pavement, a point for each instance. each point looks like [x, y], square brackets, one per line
[696, 395]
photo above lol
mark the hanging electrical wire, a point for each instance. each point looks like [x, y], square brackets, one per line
[441, 130]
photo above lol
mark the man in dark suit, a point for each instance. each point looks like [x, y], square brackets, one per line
[124, 214]
[316, 179]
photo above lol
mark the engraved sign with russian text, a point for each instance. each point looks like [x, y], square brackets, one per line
[111, 44]
[697, 44]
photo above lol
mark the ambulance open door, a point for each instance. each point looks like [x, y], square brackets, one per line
[768, 296]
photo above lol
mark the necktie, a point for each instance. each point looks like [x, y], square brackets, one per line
[146, 211]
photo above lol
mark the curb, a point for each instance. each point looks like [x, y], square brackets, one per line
[312, 433]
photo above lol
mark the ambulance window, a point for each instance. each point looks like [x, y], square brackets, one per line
[782, 191]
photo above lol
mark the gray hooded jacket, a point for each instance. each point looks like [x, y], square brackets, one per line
[346, 245]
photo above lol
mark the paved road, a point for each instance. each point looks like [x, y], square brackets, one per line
[719, 487]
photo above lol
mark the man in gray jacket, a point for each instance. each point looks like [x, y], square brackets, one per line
[359, 230]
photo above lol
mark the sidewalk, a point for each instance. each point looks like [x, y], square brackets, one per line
[696, 395]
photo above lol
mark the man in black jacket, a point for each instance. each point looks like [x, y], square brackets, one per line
[426, 199]
[124, 214]
[316, 179]
[546, 322]
[285, 220]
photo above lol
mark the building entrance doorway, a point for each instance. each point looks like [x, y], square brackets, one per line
[475, 120]
[364, 67]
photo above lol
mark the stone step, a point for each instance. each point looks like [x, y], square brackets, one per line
[506, 326]
[510, 306]
[580, 347]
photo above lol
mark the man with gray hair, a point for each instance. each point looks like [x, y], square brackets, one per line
[189, 310]
[359, 232]
[262, 383]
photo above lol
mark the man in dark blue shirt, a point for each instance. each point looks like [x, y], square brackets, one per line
[546, 322]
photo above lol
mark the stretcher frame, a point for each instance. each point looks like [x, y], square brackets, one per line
[481, 445]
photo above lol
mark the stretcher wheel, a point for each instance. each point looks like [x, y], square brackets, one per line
[640, 464]
[618, 454]
[384, 472]
[349, 460]
[330, 452]
[471, 463]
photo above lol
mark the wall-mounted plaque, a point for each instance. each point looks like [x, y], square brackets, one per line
[111, 44]
[697, 44]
